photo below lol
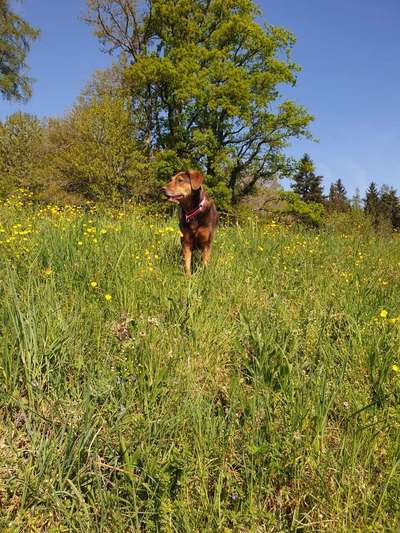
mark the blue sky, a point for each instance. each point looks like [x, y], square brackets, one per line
[349, 51]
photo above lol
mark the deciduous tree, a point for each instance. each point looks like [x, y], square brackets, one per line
[95, 151]
[205, 78]
[16, 36]
[22, 154]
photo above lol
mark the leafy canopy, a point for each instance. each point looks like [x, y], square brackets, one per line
[308, 213]
[16, 36]
[94, 149]
[21, 152]
[205, 79]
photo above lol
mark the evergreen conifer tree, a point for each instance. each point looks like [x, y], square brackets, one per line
[389, 206]
[306, 184]
[337, 200]
[371, 203]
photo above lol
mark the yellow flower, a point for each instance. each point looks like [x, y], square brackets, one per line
[396, 368]
[103, 231]
[383, 313]
[93, 284]
[108, 297]
[80, 243]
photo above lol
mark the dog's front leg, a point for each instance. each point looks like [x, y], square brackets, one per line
[187, 258]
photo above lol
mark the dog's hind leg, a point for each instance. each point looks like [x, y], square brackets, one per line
[205, 254]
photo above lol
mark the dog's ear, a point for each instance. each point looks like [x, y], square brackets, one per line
[196, 179]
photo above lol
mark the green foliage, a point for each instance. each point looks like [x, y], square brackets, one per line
[337, 199]
[16, 36]
[22, 153]
[383, 207]
[351, 221]
[260, 395]
[371, 202]
[308, 213]
[95, 150]
[222, 196]
[389, 206]
[204, 79]
[306, 184]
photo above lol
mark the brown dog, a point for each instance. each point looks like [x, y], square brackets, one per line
[198, 215]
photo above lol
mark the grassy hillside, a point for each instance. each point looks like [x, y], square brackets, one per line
[261, 395]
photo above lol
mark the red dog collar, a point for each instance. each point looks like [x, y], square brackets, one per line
[192, 214]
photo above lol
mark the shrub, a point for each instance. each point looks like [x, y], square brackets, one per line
[310, 214]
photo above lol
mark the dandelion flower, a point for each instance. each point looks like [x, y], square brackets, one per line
[108, 297]
[93, 284]
[383, 313]
[396, 368]
[80, 243]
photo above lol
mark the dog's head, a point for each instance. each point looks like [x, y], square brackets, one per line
[182, 185]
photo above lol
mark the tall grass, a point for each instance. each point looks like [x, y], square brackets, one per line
[260, 395]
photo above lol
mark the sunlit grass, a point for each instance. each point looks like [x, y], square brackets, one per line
[261, 395]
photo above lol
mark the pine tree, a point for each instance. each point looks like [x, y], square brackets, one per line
[337, 200]
[315, 193]
[389, 206]
[306, 184]
[371, 203]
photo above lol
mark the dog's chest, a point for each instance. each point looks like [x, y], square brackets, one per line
[194, 226]
[194, 230]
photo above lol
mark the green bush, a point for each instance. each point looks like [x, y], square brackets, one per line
[310, 213]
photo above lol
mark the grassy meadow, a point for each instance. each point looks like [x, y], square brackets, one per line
[260, 395]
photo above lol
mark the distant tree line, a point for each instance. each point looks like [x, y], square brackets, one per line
[382, 205]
